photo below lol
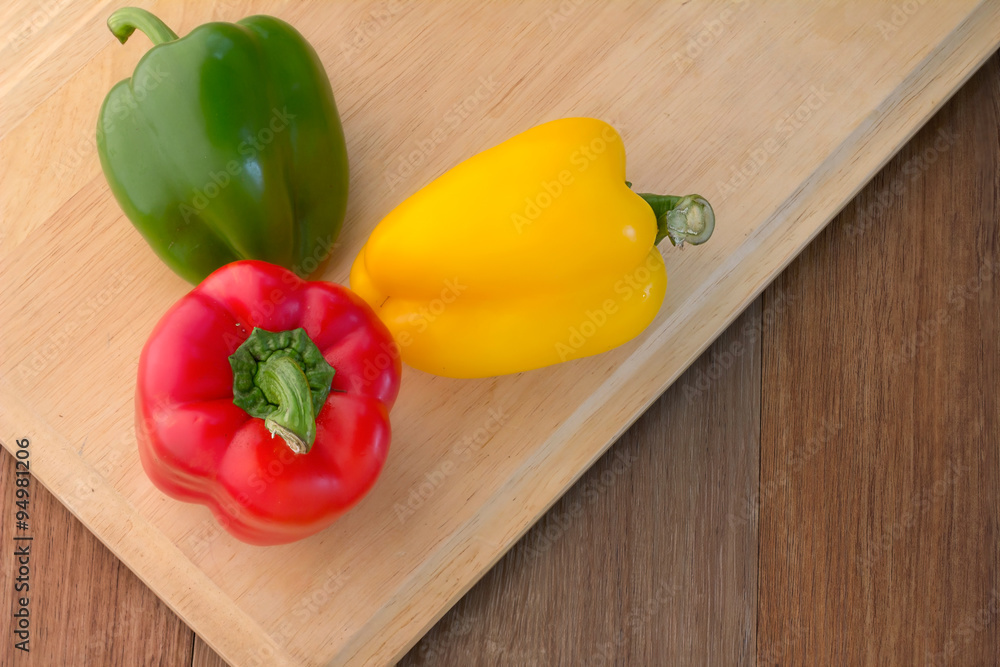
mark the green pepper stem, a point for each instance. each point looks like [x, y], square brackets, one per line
[687, 219]
[123, 22]
[285, 385]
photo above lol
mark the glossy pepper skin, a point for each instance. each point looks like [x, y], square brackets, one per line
[528, 254]
[241, 338]
[226, 144]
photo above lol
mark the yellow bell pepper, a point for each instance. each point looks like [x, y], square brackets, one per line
[528, 254]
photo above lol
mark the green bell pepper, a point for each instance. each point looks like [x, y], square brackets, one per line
[226, 144]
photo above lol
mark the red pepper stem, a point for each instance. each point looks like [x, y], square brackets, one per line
[123, 22]
[284, 384]
[687, 219]
[282, 378]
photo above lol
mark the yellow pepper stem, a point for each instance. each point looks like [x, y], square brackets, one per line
[682, 219]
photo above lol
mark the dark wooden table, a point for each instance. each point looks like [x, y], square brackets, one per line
[821, 487]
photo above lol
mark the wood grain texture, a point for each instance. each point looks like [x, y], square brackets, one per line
[649, 558]
[921, 590]
[86, 607]
[204, 656]
[819, 94]
[880, 480]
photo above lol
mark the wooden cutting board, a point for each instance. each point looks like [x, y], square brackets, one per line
[778, 112]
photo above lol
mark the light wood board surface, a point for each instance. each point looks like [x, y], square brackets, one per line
[808, 101]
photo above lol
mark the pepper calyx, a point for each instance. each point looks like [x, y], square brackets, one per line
[282, 378]
[682, 219]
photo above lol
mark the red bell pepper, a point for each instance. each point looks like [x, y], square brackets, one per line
[267, 399]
